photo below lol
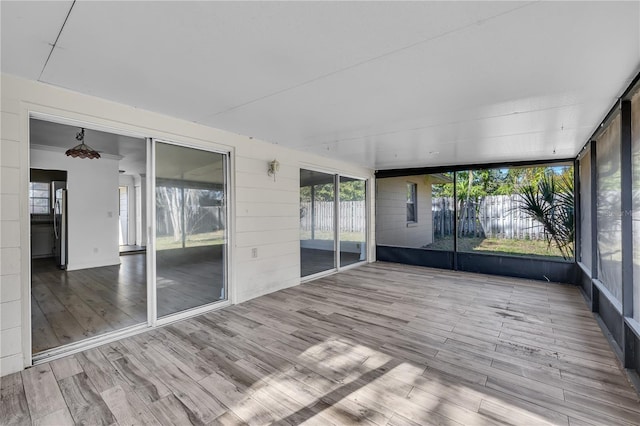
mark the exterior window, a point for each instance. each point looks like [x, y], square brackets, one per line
[412, 210]
[39, 198]
[516, 211]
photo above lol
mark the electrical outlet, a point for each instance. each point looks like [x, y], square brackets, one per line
[254, 253]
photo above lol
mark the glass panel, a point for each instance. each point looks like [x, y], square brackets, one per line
[124, 216]
[585, 210]
[39, 198]
[81, 285]
[393, 224]
[412, 214]
[609, 238]
[317, 209]
[523, 211]
[352, 221]
[635, 138]
[442, 211]
[190, 228]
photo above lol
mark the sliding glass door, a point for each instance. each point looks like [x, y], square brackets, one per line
[317, 227]
[332, 234]
[162, 255]
[190, 213]
[352, 220]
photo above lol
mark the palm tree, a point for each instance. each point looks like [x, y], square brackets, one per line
[551, 202]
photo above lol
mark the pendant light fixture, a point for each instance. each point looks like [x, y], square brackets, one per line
[82, 150]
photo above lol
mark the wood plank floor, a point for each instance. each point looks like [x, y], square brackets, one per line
[70, 306]
[313, 261]
[382, 344]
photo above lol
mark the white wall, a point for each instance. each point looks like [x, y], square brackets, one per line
[141, 212]
[92, 201]
[391, 212]
[129, 182]
[265, 213]
[141, 220]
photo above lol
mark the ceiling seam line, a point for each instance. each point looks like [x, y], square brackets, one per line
[449, 123]
[507, 135]
[416, 129]
[55, 43]
[375, 58]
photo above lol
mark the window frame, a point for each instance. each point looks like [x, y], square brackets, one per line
[412, 189]
[32, 198]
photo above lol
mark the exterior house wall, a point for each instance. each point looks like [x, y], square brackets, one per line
[392, 227]
[265, 212]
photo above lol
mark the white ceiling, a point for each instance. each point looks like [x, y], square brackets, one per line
[60, 137]
[382, 84]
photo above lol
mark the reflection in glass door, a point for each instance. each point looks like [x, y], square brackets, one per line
[352, 221]
[317, 230]
[190, 228]
[123, 235]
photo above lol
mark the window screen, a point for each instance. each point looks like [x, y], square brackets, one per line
[635, 138]
[585, 210]
[609, 238]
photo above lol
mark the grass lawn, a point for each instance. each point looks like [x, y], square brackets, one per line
[195, 240]
[515, 247]
[328, 235]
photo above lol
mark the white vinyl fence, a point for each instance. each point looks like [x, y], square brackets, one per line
[352, 216]
[497, 216]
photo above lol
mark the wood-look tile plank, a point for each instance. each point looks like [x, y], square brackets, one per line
[619, 408]
[174, 354]
[98, 369]
[61, 417]
[582, 379]
[400, 420]
[504, 413]
[127, 408]
[141, 380]
[226, 392]
[42, 335]
[14, 408]
[84, 402]
[66, 367]
[42, 391]
[200, 403]
[228, 419]
[380, 344]
[170, 411]
[558, 405]
[65, 326]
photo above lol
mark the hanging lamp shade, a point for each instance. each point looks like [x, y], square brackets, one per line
[82, 150]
